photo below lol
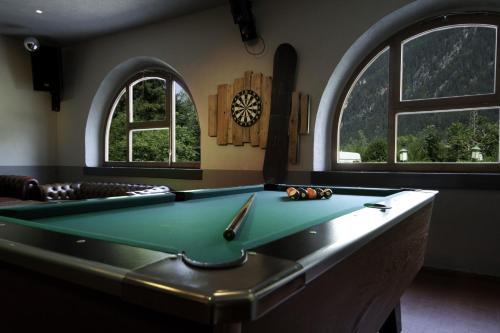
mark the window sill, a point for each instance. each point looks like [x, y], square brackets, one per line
[172, 173]
[423, 180]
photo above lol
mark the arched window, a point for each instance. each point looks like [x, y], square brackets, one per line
[153, 122]
[425, 100]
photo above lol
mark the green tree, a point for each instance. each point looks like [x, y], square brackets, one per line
[459, 142]
[357, 144]
[376, 151]
[432, 145]
[117, 140]
[486, 136]
[415, 146]
[187, 136]
[149, 100]
[151, 145]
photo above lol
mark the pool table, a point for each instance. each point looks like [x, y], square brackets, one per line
[159, 262]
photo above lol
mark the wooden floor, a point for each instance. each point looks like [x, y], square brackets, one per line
[445, 302]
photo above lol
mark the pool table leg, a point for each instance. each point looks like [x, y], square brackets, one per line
[228, 328]
[393, 322]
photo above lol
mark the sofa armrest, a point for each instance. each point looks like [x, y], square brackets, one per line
[20, 187]
[90, 190]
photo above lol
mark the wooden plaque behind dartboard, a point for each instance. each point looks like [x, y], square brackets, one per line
[227, 131]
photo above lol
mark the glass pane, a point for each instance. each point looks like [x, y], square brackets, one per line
[117, 136]
[187, 129]
[449, 136]
[452, 61]
[149, 100]
[151, 145]
[363, 126]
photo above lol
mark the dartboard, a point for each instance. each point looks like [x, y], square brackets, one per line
[246, 108]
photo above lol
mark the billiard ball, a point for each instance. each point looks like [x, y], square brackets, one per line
[293, 194]
[311, 193]
[327, 193]
[303, 193]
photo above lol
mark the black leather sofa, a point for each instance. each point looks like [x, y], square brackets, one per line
[89, 190]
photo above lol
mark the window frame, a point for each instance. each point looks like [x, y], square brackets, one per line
[396, 105]
[169, 122]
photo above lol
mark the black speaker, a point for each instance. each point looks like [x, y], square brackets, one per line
[242, 15]
[46, 65]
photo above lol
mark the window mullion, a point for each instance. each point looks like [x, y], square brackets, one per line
[461, 102]
[497, 66]
[128, 122]
[394, 97]
[149, 125]
[171, 112]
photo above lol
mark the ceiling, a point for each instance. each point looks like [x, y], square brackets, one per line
[68, 21]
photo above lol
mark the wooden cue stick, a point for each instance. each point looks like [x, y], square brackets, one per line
[234, 226]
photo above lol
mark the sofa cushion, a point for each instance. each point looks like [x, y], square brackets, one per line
[60, 191]
[152, 190]
[90, 190]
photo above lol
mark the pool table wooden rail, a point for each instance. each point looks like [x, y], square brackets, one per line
[346, 274]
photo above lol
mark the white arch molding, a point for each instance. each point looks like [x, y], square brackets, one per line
[381, 31]
[103, 99]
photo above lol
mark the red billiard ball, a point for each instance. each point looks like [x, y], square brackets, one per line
[311, 193]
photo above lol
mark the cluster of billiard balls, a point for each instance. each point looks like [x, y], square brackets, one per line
[309, 193]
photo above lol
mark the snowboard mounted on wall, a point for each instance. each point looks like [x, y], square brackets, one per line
[276, 158]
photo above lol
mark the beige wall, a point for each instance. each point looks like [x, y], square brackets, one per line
[27, 124]
[207, 50]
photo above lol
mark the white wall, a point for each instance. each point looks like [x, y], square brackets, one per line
[27, 124]
[207, 50]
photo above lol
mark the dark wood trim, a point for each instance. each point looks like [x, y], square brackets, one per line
[497, 65]
[171, 173]
[127, 122]
[448, 103]
[420, 167]
[189, 165]
[161, 124]
[423, 180]
[394, 89]
[171, 120]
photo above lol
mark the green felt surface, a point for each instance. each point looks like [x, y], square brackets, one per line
[196, 226]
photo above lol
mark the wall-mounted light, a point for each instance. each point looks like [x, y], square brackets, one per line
[476, 155]
[403, 155]
[39, 11]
